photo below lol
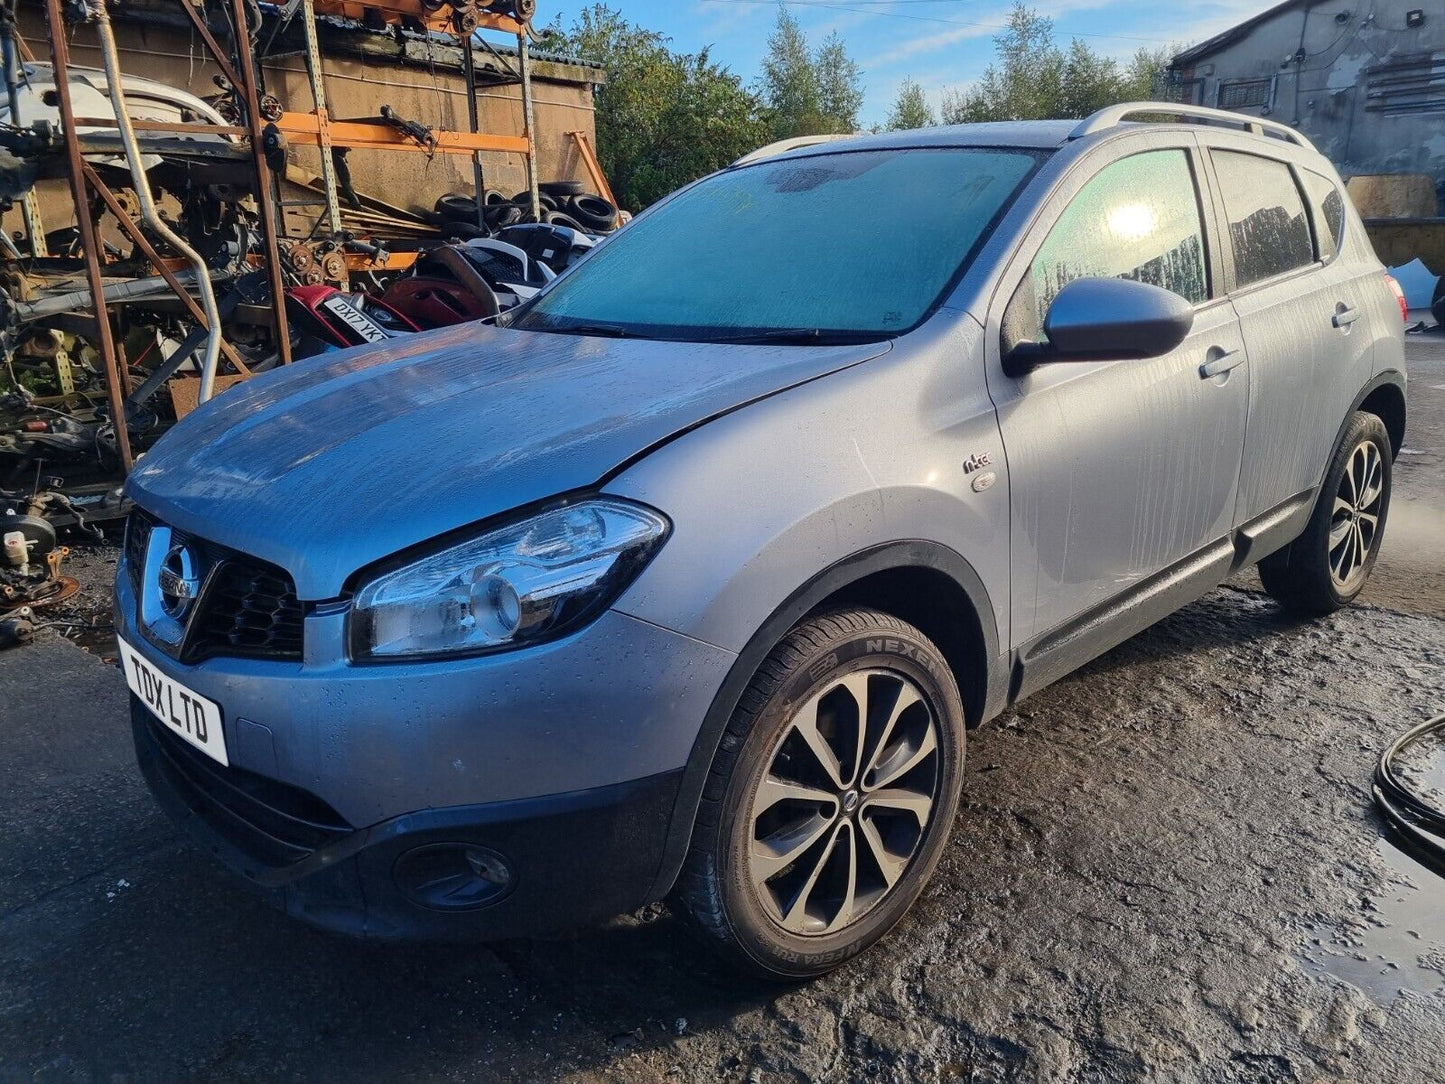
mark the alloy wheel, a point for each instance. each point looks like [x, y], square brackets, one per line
[1355, 519]
[844, 802]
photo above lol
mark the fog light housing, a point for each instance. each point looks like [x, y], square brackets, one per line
[453, 876]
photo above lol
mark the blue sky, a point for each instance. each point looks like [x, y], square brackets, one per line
[941, 43]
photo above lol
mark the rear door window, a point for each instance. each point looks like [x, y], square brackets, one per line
[1329, 209]
[1268, 228]
[1138, 218]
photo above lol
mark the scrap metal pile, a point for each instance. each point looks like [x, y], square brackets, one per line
[182, 237]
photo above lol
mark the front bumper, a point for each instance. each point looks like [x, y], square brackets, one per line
[619, 700]
[564, 759]
[570, 858]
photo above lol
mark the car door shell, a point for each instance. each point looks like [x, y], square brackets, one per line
[1307, 366]
[1117, 469]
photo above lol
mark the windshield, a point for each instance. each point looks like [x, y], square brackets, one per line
[858, 245]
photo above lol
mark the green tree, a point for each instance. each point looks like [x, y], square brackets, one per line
[840, 90]
[663, 118]
[789, 81]
[1032, 78]
[910, 108]
[808, 93]
[1024, 82]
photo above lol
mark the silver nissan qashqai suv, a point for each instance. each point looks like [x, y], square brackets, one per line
[688, 576]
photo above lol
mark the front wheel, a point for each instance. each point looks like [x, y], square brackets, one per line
[831, 796]
[1327, 565]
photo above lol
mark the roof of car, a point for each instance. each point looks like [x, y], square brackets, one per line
[1042, 134]
[1048, 134]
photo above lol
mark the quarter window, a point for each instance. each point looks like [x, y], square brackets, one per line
[1267, 223]
[1329, 208]
[1137, 219]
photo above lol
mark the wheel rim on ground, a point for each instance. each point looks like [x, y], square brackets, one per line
[1355, 519]
[840, 811]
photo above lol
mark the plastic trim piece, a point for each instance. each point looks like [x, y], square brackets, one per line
[1114, 115]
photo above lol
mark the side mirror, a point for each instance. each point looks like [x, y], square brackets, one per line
[1096, 319]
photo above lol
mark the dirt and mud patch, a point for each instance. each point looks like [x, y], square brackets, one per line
[1167, 868]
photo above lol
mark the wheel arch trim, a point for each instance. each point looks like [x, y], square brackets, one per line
[889, 556]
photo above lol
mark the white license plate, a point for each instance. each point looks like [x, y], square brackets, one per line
[189, 714]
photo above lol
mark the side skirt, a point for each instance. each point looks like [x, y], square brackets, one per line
[1051, 656]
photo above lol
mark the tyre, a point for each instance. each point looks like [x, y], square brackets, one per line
[561, 190]
[457, 207]
[1437, 302]
[557, 218]
[830, 798]
[594, 212]
[544, 201]
[1328, 564]
[501, 215]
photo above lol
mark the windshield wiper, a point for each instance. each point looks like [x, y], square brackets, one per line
[610, 331]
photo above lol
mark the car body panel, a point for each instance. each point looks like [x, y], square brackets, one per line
[1117, 469]
[375, 742]
[865, 457]
[517, 417]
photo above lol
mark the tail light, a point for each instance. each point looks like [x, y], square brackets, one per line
[1399, 298]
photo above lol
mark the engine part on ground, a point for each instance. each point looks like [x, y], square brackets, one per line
[1419, 822]
[17, 629]
[30, 560]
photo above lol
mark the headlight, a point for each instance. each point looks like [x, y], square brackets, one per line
[512, 586]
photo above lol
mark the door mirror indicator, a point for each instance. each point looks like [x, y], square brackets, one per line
[1098, 319]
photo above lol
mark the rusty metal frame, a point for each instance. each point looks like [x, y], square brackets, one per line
[105, 339]
[244, 80]
[593, 167]
[84, 179]
[382, 135]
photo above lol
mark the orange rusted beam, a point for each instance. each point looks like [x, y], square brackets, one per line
[380, 135]
[594, 167]
[395, 261]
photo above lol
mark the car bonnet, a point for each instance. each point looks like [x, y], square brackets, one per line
[328, 465]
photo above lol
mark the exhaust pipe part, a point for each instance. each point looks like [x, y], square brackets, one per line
[110, 56]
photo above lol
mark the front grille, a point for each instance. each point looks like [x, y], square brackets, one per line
[274, 823]
[248, 608]
[137, 533]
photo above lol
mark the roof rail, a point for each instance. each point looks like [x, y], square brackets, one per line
[1112, 115]
[782, 146]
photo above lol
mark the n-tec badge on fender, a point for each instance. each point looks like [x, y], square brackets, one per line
[976, 462]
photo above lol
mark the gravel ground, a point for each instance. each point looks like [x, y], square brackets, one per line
[1167, 869]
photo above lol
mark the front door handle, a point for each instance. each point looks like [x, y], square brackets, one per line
[1221, 363]
[1344, 317]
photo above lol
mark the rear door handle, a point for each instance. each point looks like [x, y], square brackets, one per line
[1345, 317]
[1221, 364]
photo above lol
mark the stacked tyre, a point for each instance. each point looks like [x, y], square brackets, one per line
[562, 203]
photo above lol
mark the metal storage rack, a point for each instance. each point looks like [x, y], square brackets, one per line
[240, 67]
